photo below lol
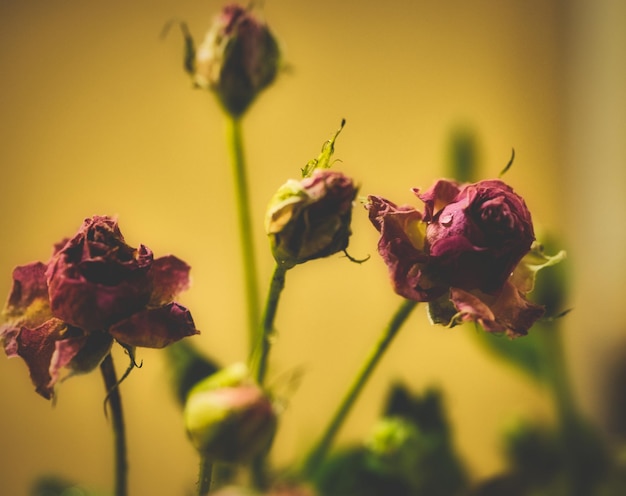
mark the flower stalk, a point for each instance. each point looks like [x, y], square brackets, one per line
[242, 199]
[317, 455]
[205, 476]
[260, 356]
[111, 384]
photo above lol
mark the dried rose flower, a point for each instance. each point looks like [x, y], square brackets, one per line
[310, 219]
[229, 418]
[94, 289]
[238, 58]
[460, 253]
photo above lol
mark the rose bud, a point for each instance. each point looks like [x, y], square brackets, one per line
[238, 58]
[310, 219]
[228, 418]
[460, 254]
[65, 314]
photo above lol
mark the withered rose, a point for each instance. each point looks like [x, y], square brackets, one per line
[238, 58]
[66, 313]
[461, 252]
[310, 218]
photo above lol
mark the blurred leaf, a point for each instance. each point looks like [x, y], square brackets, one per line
[463, 155]
[524, 353]
[52, 485]
[533, 354]
[407, 453]
[187, 366]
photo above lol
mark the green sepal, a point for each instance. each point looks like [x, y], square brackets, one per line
[323, 159]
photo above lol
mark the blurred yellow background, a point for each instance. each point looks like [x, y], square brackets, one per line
[98, 117]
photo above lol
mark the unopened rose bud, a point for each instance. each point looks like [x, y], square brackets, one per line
[238, 58]
[229, 419]
[310, 219]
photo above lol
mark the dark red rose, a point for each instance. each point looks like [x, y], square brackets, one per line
[65, 314]
[461, 253]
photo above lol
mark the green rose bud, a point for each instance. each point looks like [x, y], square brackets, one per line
[228, 418]
[238, 58]
[310, 219]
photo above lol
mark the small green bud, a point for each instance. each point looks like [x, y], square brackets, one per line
[238, 58]
[228, 418]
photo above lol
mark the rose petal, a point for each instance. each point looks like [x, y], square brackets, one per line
[508, 312]
[401, 246]
[515, 312]
[170, 276]
[473, 309]
[156, 327]
[29, 285]
[93, 306]
[437, 197]
[38, 346]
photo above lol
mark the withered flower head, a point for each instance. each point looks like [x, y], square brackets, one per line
[310, 218]
[460, 253]
[95, 288]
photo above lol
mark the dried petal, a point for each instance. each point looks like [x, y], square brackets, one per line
[155, 327]
[402, 247]
[170, 277]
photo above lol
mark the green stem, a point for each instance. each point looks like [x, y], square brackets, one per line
[319, 452]
[119, 432]
[264, 340]
[242, 198]
[260, 357]
[204, 476]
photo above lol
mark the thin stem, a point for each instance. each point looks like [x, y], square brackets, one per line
[319, 452]
[111, 385]
[264, 340]
[204, 476]
[235, 145]
[260, 357]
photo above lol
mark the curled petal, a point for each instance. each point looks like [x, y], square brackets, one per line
[402, 247]
[508, 312]
[155, 327]
[437, 197]
[29, 285]
[45, 350]
[170, 277]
